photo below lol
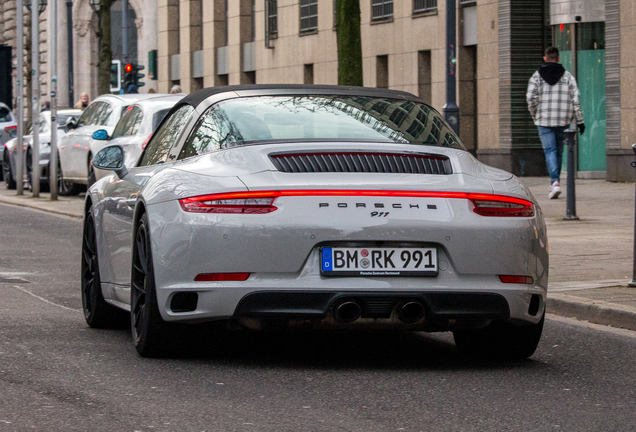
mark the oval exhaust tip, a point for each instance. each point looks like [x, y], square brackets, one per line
[347, 311]
[411, 312]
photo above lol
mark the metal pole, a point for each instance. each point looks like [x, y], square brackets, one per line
[20, 74]
[124, 30]
[451, 110]
[570, 212]
[35, 81]
[53, 59]
[633, 282]
[69, 31]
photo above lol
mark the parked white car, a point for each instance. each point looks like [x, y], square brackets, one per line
[77, 148]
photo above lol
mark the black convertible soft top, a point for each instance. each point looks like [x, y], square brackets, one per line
[197, 97]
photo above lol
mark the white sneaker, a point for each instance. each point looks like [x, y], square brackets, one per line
[555, 190]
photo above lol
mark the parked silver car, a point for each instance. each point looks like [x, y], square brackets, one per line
[9, 154]
[314, 207]
[135, 128]
[8, 128]
[77, 147]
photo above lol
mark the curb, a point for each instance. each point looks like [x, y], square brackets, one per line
[594, 311]
[37, 206]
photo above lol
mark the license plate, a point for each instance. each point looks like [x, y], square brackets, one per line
[381, 261]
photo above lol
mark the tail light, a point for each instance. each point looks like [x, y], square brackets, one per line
[145, 143]
[221, 277]
[516, 279]
[493, 205]
[11, 130]
[223, 204]
[259, 202]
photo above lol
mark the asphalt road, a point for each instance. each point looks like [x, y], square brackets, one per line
[56, 374]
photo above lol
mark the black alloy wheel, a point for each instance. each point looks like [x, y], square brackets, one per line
[97, 312]
[7, 173]
[149, 330]
[65, 188]
[500, 341]
[44, 184]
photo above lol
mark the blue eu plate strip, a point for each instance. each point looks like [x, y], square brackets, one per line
[327, 259]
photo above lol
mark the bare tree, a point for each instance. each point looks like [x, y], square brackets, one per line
[349, 42]
[105, 50]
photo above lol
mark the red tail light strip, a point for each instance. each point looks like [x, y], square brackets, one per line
[236, 202]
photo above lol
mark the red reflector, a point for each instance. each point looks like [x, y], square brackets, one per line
[516, 279]
[218, 277]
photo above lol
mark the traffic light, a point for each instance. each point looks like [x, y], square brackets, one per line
[115, 76]
[128, 77]
[132, 76]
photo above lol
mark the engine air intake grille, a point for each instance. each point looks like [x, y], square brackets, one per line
[395, 163]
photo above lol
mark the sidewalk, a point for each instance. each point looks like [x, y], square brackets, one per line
[590, 259]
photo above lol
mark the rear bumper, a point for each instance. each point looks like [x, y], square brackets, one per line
[473, 303]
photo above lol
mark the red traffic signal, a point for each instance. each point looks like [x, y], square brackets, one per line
[128, 68]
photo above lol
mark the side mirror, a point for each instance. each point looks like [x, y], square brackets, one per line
[71, 123]
[100, 135]
[111, 158]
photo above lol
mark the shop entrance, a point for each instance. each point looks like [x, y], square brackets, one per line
[590, 75]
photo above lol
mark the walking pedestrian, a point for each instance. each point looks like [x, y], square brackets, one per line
[553, 101]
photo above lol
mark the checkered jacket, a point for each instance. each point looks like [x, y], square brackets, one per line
[555, 105]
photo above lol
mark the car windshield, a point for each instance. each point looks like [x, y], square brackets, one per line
[254, 120]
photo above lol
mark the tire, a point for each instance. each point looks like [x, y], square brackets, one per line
[97, 312]
[65, 188]
[91, 174]
[44, 184]
[149, 331]
[500, 341]
[7, 173]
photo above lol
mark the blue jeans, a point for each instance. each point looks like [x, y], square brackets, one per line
[552, 140]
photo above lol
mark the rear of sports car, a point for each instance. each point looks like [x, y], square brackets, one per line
[349, 236]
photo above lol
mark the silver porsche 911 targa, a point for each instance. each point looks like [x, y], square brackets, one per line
[319, 207]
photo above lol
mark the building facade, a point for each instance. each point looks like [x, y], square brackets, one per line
[77, 68]
[500, 43]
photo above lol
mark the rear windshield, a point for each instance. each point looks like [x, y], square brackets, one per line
[256, 120]
[5, 115]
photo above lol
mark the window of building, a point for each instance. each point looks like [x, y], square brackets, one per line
[382, 71]
[271, 18]
[424, 72]
[381, 9]
[308, 74]
[424, 5]
[308, 15]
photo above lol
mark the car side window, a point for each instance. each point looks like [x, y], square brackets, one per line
[159, 147]
[129, 122]
[208, 135]
[88, 114]
[104, 113]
